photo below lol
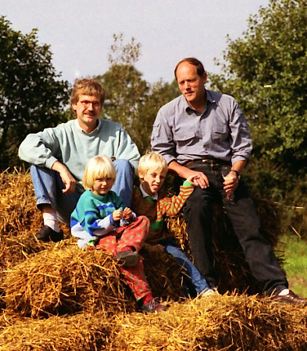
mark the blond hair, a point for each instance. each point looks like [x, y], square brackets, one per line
[86, 86]
[151, 161]
[98, 167]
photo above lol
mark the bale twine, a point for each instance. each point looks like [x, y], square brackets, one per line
[215, 323]
[65, 279]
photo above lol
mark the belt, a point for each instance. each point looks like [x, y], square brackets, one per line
[207, 160]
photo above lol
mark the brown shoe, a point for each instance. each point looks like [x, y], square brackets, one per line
[153, 306]
[292, 298]
[128, 258]
[46, 234]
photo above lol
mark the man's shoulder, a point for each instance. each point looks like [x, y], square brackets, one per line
[108, 123]
[174, 104]
[219, 98]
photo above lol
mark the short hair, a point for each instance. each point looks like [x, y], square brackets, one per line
[151, 160]
[97, 167]
[192, 61]
[87, 86]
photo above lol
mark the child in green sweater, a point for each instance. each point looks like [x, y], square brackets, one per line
[101, 221]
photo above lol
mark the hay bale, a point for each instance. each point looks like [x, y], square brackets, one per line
[215, 323]
[17, 204]
[65, 279]
[86, 332]
[166, 277]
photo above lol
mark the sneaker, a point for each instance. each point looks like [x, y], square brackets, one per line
[207, 292]
[128, 258]
[46, 234]
[153, 306]
[291, 298]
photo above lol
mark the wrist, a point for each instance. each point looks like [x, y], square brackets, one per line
[237, 173]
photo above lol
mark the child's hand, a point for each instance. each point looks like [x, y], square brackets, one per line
[117, 214]
[127, 213]
[192, 178]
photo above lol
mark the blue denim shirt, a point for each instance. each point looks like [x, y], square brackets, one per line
[181, 134]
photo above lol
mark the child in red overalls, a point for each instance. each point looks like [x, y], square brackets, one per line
[101, 221]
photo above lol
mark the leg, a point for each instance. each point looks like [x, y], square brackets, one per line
[199, 282]
[134, 276]
[198, 214]
[257, 251]
[134, 234]
[123, 185]
[48, 191]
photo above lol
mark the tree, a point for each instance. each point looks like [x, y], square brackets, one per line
[131, 100]
[31, 95]
[266, 70]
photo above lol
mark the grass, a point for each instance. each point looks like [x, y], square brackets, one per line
[295, 264]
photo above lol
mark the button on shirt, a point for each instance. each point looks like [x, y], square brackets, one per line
[221, 131]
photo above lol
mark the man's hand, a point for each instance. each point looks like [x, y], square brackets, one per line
[231, 181]
[195, 177]
[67, 178]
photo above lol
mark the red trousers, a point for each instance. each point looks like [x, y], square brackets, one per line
[132, 235]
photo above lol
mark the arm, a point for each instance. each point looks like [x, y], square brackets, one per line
[171, 206]
[162, 141]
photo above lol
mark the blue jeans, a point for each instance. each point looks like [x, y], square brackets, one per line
[48, 188]
[199, 282]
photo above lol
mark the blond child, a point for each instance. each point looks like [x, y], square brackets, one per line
[101, 221]
[149, 200]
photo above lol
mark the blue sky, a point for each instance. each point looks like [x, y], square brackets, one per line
[80, 32]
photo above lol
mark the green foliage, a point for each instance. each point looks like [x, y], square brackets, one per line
[266, 70]
[31, 95]
[131, 100]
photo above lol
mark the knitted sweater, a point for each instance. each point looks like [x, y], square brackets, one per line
[157, 210]
[70, 145]
[92, 217]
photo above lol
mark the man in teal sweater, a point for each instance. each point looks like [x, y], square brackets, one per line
[58, 157]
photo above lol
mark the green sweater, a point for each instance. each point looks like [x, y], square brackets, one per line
[70, 145]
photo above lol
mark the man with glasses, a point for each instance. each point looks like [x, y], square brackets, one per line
[58, 156]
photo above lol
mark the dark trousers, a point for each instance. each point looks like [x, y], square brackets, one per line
[241, 212]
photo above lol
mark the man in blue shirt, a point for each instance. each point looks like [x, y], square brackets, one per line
[204, 134]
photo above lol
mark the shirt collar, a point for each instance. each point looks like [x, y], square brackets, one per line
[93, 131]
[145, 194]
[188, 108]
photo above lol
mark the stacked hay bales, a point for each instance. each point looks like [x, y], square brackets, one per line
[57, 297]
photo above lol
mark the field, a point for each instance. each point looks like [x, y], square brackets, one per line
[57, 297]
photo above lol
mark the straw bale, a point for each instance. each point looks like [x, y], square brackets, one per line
[214, 323]
[17, 203]
[165, 276]
[65, 279]
[86, 332]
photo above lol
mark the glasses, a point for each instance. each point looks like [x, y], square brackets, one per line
[87, 103]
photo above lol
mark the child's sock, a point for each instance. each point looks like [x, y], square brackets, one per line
[51, 220]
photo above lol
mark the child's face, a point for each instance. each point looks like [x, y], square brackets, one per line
[153, 180]
[102, 186]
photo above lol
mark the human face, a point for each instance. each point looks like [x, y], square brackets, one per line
[103, 185]
[153, 181]
[88, 109]
[191, 84]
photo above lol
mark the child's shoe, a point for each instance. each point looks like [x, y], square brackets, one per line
[207, 292]
[127, 258]
[153, 306]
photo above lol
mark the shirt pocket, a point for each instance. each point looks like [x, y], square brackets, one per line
[185, 136]
[220, 132]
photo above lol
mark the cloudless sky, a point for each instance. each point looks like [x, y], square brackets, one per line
[80, 32]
